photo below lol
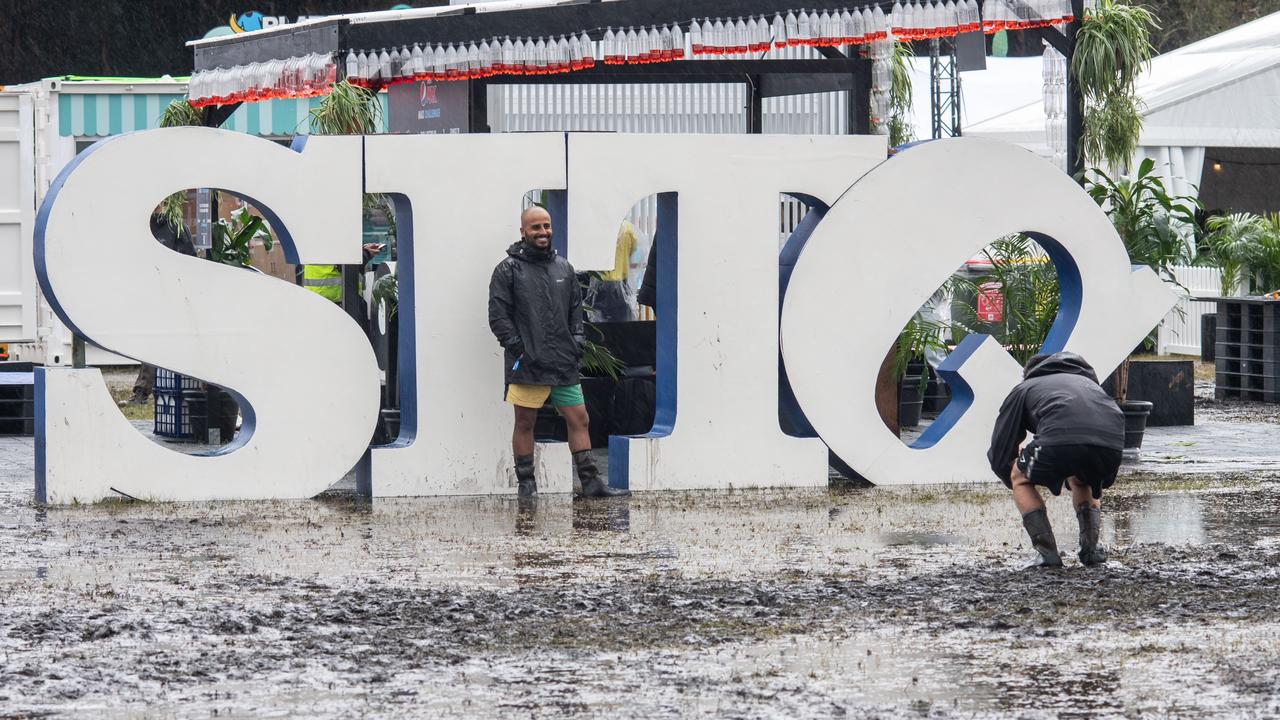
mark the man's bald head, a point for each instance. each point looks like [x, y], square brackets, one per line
[535, 227]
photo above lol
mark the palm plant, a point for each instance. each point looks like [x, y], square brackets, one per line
[1028, 283]
[1153, 224]
[1266, 262]
[1234, 243]
[918, 337]
[1112, 46]
[900, 128]
[178, 113]
[347, 110]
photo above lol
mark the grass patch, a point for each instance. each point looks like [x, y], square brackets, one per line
[145, 411]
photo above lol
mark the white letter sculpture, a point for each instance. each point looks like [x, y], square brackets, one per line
[717, 374]
[892, 240]
[304, 374]
[883, 236]
[465, 192]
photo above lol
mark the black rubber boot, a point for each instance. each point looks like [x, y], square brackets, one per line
[1037, 524]
[526, 485]
[1091, 553]
[589, 476]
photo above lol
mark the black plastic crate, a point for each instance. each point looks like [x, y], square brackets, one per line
[173, 414]
[17, 404]
[1229, 393]
[170, 381]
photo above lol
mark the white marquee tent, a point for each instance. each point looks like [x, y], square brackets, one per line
[1223, 91]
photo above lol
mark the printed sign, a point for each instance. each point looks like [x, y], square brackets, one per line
[429, 108]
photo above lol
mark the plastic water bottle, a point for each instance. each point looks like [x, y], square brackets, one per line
[588, 47]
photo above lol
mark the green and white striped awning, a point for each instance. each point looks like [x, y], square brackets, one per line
[103, 114]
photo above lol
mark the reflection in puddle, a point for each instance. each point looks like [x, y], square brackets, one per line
[917, 538]
[1169, 519]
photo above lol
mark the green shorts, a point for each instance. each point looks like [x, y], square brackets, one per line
[535, 396]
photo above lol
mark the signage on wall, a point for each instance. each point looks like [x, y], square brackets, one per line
[307, 381]
[429, 108]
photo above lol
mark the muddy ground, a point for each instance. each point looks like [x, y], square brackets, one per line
[754, 604]
[834, 603]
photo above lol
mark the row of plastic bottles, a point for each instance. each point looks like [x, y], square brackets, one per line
[643, 46]
[928, 20]
[303, 76]
[311, 75]
[1054, 69]
[1023, 14]
[465, 61]
[718, 36]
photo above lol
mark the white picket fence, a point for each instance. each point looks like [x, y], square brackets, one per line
[1179, 334]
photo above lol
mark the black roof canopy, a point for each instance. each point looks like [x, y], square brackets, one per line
[468, 23]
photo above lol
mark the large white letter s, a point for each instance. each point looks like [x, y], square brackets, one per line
[305, 375]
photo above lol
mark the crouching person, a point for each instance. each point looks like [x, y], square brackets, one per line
[1079, 437]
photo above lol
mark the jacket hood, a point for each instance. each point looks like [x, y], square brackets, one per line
[524, 251]
[1061, 363]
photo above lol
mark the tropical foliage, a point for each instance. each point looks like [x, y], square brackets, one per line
[1246, 250]
[1028, 283]
[899, 122]
[348, 110]
[1155, 226]
[232, 238]
[178, 113]
[1112, 47]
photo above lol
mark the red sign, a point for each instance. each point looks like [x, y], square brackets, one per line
[990, 303]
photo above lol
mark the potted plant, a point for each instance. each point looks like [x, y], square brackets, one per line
[1234, 244]
[1266, 262]
[918, 337]
[1156, 229]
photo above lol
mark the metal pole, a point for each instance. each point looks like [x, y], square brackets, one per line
[935, 89]
[755, 106]
[1075, 98]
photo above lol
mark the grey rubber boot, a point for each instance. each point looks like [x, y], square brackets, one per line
[1091, 553]
[1037, 524]
[589, 476]
[526, 485]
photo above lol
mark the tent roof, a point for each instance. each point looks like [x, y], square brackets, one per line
[1222, 91]
[1006, 84]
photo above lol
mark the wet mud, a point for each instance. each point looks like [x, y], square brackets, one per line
[841, 603]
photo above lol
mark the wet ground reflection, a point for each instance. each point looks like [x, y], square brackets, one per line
[868, 602]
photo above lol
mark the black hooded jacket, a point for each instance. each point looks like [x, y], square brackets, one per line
[1061, 402]
[535, 311]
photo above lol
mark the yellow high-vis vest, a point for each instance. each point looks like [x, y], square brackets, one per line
[323, 280]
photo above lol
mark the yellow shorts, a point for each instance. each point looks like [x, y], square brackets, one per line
[535, 396]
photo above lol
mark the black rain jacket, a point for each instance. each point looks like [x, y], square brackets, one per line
[1061, 402]
[535, 311]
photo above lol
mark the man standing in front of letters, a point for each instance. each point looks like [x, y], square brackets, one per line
[535, 311]
[1079, 437]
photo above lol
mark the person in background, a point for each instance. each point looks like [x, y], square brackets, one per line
[1079, 439]
[611, 301]
[535, 312]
